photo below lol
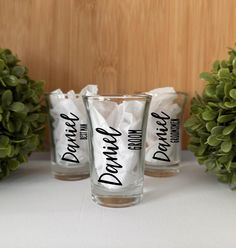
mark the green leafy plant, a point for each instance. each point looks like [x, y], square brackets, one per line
[212, 122]
[22, 116]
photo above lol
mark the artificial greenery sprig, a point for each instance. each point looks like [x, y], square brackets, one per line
[212, 122]
[22, 116]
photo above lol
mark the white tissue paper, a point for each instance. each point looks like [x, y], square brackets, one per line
[116, 159]
[69, 126]
[162, 147]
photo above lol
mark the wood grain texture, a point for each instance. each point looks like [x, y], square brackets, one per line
[124, 46]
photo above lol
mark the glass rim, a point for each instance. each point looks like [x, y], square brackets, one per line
[142, 95]
[169, 93]
[119, 96]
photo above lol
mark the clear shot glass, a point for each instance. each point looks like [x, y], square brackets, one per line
[163, 142]
[69, 136]
[117, 130]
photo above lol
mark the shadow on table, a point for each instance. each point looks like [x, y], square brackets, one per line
[33, 171]
[161, 187]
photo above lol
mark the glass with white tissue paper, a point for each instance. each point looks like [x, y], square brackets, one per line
[163, 142]
[69, 134]
[117, 133]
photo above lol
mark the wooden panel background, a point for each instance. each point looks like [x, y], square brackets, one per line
[124, 46]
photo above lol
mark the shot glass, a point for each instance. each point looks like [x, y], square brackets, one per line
[163, 143]
[69, 136]
[117, 133]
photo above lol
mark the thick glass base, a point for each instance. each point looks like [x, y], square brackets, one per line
[154, 171]
[70, 174]
[66, 177]
[117, 201]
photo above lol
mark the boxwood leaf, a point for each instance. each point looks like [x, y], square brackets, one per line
[11, 80]
[227, 88]
[17, 107]
[10, 126]
[22, 158]
[226, 146]
[207, 77]
[223, 64]
[22, 81]
[220, 90]
[234, 63]
[217, 130]
[4, 151]
[20, 115]
[4, 140]
[208, 115]
[12, 151]
[216, 65]
[13, 164]
[229, 129]
[225, 118]
[210, 90]
[201, 150]
[224, 159]
[230, 105]
[2, 65]
[222, 105]
[7, 98]
[213, 104]
[232, 93]
[11, 59]
[18, 124]
[224, 73]
[18, 71]
[25, 129]
[33, 117]
[210, 125]
[2, 82]
[213, 141]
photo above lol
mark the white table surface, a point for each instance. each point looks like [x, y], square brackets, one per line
[189, 210]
